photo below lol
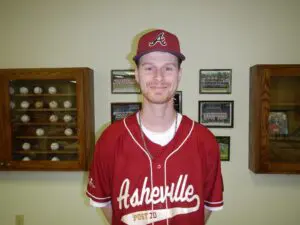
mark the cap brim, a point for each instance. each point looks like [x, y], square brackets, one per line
[178, 55]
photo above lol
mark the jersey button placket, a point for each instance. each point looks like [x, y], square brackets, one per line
[158, 166]
[158, 173]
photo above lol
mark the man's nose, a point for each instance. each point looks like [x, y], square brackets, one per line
[159, 75]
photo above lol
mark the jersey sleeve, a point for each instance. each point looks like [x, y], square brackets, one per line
[99, 186]
[213, 186]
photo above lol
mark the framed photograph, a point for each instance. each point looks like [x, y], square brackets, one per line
[216, 113]
[178, 101]
[224, 144]
[215, 81]
[123, 82]
[278, 123]
[120, 110]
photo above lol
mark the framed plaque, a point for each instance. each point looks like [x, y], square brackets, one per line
[224, 145]
[123, 82]
[120, 110]
[178, 101]
[216, 113]
[215, 81]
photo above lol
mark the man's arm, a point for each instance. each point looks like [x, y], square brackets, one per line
[107, 211]
[207, 214]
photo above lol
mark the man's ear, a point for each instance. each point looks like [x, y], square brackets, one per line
[136, 75]
[179, 74]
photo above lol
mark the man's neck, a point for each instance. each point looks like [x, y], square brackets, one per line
[158, 117]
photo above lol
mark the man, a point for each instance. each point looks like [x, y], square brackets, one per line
[157, 166]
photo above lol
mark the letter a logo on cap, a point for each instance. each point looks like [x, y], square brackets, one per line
[160, 38]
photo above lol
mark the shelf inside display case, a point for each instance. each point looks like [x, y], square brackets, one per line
[284, 104]
[46, 137]
[44, 95]
[47, 123]
[44, 152]
[47, 110]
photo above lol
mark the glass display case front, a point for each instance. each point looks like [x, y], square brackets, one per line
[44, 120]
[284, 119]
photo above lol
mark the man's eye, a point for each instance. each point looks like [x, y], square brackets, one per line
[169, 68]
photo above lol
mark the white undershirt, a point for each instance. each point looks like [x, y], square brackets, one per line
[161, 138]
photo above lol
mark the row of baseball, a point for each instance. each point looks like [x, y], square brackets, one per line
[52, 118]
[41, 132]
[36, 90]
[40, 104]
[53, 146]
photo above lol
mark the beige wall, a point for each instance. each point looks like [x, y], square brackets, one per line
[214, 34]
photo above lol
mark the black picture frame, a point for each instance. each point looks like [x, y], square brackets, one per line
[224, 146]
[120, 110]
[178, 101]
[215, 81]
[216, 114]
[123, 82]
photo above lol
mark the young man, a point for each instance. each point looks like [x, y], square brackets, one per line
[157, 166]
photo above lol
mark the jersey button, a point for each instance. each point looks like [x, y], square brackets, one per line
[158, 166]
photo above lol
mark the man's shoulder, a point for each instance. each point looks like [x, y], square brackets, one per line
[206, 139]
[199, 129]
[117, 129]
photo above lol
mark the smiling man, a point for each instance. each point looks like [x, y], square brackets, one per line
[157, 166]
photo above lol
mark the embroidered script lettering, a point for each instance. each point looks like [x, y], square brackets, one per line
[175, 192]
[178, 191]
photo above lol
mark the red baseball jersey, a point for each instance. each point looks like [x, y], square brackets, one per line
[173, 188]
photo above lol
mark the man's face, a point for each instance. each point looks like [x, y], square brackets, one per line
[158, 74]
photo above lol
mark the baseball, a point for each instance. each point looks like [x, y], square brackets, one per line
[52, 90]
[24, 104]
[68, 131]
[11, 90]
[12, 105]
[26, 146]
[67, 118]
[53, 104]
[54, 158]
[37, 90]
[26, 158]
[25, 118]
[40, 132]
[53, 118]
[38, 104]
[23, 90]
[67, 104]
[54, 146]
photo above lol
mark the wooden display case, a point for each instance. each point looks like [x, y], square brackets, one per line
[47, 119]
[274, 137]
